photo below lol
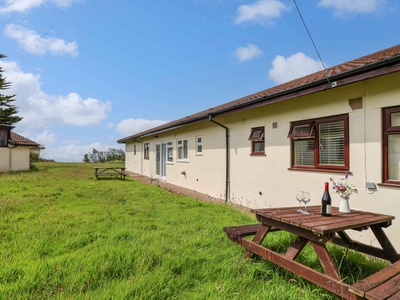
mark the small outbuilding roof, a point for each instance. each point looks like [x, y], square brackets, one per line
[379, 63]
[19, 140]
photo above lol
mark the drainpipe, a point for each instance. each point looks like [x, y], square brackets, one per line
[11, 147]
[227, 174]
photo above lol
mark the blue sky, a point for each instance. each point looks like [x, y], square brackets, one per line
[88, 72]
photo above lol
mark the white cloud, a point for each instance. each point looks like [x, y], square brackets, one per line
[345, 7]
[295, 66]
[45, 138]
[41, 110]
[22, 6]
[247, 53]
[262, 11]
[132, 126]
[33, 43]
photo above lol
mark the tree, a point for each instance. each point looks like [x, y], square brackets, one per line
[8, 111]
[86, 158]
[111, 155]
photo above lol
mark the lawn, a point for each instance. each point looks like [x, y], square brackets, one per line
[66, 235]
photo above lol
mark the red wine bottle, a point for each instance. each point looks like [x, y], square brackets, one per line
[326, 202]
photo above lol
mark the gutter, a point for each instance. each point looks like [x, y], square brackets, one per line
[227, 166]
[329, 80]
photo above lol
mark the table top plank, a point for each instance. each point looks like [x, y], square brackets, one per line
[320, 224]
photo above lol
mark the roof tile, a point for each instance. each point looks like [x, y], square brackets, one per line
[22, 141]
[296, 83]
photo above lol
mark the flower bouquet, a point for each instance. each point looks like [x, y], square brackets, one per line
[344, 190]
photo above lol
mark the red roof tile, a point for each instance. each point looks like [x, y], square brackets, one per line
[19, 140]
[361, 65]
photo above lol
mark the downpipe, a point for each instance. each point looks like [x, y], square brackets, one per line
[227, 170]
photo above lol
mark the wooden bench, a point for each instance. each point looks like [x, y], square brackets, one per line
[384, 284]
[235, 233]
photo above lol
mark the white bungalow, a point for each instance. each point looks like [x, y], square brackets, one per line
[14, 150]
[259, 150]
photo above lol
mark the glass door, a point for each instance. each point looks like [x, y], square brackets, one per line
[161, 160]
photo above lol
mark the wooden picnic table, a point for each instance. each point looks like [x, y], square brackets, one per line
[109, 171]
[318, 230]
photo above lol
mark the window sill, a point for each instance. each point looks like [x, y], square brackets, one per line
[182, 161]
[320, 170]
[199, 154]
[387, 184]
[258, 154]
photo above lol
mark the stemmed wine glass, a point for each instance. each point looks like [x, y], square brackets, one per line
[300, 197]
[306, 199]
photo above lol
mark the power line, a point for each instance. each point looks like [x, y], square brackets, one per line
[309, 34]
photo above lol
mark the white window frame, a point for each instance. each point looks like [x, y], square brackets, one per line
[182, 151]
[146, 151]
[170, 152]
[199, 144]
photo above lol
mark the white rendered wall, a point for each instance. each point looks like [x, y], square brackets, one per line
[266, 181]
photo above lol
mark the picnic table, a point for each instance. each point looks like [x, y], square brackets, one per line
[109, 171]
[319, 230]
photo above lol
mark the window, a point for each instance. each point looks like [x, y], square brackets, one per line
[257, 141]
[199, 145]
[391, 145]
[134, 149]
[146, 151]
[320, 144]
[182, 149]
[3, 137]
[170, 152]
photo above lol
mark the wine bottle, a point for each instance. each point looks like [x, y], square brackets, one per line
[326, 202]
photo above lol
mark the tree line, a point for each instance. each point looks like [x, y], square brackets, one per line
[110, 155]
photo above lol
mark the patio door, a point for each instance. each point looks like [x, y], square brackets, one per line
[161, 160]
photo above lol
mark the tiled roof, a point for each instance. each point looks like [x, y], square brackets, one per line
[19, 140]
[362, 64]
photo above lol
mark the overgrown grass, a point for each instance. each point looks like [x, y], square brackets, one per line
[66, 235]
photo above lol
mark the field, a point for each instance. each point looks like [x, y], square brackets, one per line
[66, 235]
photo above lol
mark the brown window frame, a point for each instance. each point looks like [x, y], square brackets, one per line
[388, 129]
[7, 136]
[313, 135]
[257, 140]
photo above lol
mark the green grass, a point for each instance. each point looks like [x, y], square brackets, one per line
[66, 235]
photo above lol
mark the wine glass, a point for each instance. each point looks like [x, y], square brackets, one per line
[300, 197]
[306, 199]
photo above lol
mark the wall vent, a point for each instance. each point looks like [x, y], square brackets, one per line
[356, 103]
